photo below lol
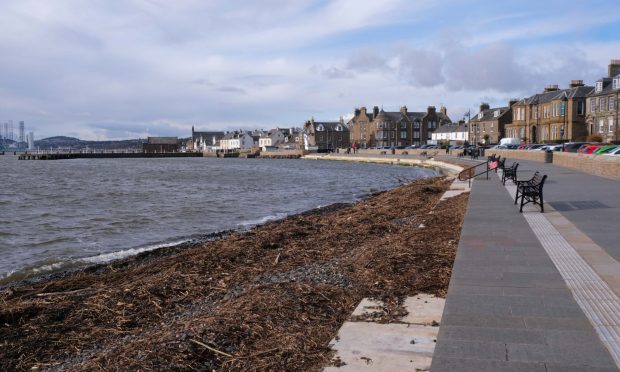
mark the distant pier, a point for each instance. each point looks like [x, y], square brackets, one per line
[105, 155]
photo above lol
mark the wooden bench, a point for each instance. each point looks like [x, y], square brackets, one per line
[510, 173]
[531, 191]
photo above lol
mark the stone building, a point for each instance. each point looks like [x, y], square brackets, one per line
[326, 135]
[488, 125]
[602, 105]
[553, 115]
[395, 128]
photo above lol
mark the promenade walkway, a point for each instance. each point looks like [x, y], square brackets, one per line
[532, 291]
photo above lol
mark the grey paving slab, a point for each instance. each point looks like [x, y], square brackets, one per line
[471, 365]
[508, 308]
[590, 202]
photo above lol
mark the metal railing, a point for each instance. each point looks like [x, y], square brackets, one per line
[468, 173]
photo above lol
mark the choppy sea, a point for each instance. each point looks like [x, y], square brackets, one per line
[60, 214]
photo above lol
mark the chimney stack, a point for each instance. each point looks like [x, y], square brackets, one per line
[363, 109]
[512, 102]
[484, 106]
[443, 110]
[375, 111]
[431, 110]
[357, 111]
[551, 88]
[404, 110]
[614, 67]
[575, 83]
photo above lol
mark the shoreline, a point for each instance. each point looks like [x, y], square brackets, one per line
[305, 272]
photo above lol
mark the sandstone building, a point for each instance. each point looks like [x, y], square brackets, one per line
[602, 105]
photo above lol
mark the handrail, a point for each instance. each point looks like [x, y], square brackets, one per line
[468, 173]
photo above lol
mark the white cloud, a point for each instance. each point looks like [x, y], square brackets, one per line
[111, 68]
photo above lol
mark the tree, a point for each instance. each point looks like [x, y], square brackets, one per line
[486, 138]
[595, 138]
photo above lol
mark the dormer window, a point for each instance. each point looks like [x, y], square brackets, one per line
[320, 128]
[339, 128]
[616, 83]
[599, 86]
[496, 113]
[480, 115]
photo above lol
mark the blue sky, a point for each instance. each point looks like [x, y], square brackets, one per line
[112, 69]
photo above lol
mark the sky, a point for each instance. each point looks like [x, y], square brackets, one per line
[121, 69]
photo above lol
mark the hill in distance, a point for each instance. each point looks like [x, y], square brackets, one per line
[78, 144]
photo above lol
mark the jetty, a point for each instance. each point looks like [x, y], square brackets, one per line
[108, 154]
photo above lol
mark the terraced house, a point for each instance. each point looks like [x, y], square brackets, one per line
[395, 128]
[553, 115]
[602, 106]
[326, 135]
[488, 126]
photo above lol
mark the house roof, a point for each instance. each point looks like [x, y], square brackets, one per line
[577, 92]
[162, 140]
[607, 87]
[452, 127]
[489, 114]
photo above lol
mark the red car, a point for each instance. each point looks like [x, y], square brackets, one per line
[588, 149]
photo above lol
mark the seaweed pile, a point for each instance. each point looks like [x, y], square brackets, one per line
[270, 298]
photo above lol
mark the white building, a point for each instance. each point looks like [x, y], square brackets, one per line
[453, 132]
[236, 141]
[274, 137]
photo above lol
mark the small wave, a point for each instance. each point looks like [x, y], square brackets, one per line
[107, 257]
[262, 220]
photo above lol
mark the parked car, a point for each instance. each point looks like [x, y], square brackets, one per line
[554, 147]
[588, 148]
[604, 148]
[573, 146]
[614, 152]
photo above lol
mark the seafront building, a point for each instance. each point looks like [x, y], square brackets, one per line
[454, 133]
[553, 115]
[602, 105]
[204, 141]
[395, 128]
[326, 135]
[161, 144]
[489, 124]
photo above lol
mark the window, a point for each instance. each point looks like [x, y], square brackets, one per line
[403, 134]
[416, 124]
[601, 125]
[581, 107]
[480, 114]
[545, 112]
[429, 124]
[563, 109]
[592, 104]
[599, 86]
[392, 135]
[320, 128]
[403, 125]
[601, 102]
[496, 113]
[612, 103]
[554, 109]
[416, 134]
[610, 122]
[616, 83]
